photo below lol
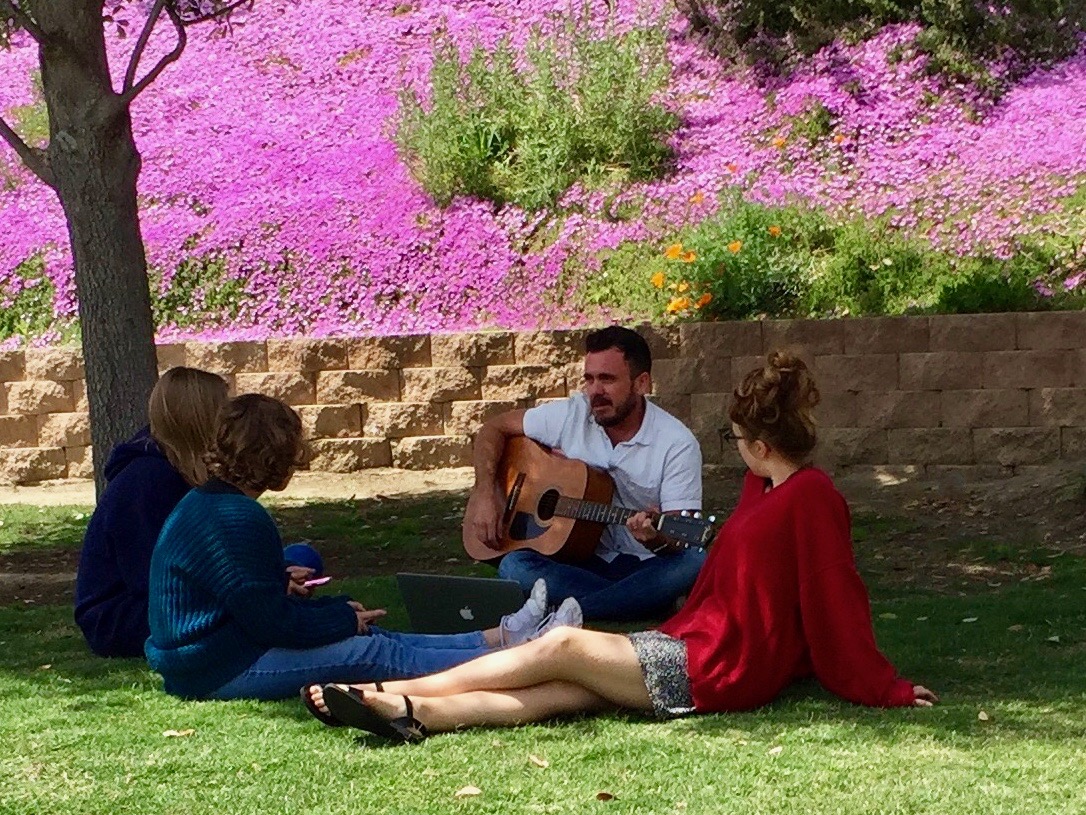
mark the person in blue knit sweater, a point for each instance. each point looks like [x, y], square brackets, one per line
[223, 623]
[146, 478]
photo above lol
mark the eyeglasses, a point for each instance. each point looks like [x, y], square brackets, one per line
[726, 435]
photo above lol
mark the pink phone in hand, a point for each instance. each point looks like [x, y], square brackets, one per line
[316, 581]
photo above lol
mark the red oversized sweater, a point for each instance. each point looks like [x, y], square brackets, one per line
[779, 598]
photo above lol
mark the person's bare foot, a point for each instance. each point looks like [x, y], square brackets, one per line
[316, 693]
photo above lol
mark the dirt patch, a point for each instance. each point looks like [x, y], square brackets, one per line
[911, 530]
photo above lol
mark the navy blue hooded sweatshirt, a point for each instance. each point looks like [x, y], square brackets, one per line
[111, 586]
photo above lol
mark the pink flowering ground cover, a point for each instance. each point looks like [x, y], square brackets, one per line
[269, 151]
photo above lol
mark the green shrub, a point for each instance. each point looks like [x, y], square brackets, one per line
[959, 35]
[579, 107]
[199, 293]
[26, 308]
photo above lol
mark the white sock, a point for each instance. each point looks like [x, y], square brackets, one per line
[523, 623]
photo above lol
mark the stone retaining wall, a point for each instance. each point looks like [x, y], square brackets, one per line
[985, 391]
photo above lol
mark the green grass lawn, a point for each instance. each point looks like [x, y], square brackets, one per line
[85, 735]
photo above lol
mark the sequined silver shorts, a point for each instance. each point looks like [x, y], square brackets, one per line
[663, 664]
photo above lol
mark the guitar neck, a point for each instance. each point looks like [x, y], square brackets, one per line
[592, 511]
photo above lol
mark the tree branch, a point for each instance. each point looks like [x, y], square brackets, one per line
[130, 93]
[35, 160]
[141, 44]
[9, 10]
[217, 13]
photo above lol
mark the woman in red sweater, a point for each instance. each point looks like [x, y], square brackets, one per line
[778, 599]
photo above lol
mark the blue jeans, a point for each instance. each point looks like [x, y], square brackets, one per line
[624, 589]
[374, 657]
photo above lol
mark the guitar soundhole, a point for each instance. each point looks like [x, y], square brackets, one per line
[548, 502]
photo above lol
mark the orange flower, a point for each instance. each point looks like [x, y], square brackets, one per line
[704, 300]
[735, 246]
[674, 252]
[779, 141]
[697, 197]
[689, 257]
[839, 138]
[657, 280]
[678, 304]
[775, 231]
[732, 167]
[684, 286]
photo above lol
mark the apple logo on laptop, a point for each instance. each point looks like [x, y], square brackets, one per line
[466, 613]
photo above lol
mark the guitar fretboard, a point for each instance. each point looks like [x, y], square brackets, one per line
[591, 511]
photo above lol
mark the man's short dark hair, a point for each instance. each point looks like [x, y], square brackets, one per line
[632, 345]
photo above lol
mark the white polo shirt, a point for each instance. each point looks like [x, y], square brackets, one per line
[659, 467]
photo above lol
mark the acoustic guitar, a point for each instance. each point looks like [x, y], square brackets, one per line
[560, 507]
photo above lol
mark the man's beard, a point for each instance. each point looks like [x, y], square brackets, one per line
[622, 411]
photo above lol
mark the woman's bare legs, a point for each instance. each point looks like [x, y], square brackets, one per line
[603, 667]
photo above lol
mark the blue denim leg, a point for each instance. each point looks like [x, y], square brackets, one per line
[644, 589]
[374, 657]
[563, 580]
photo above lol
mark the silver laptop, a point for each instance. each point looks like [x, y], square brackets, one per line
[442, 604]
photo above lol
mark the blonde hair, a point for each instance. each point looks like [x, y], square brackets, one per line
[774, 404]
[183, 409]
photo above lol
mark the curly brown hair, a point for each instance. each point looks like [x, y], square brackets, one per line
[258, 445]
[774, 404]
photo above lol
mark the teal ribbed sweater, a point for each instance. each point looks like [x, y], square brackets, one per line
[218, 596]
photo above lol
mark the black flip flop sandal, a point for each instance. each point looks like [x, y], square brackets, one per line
[349, 707]
[321, 716]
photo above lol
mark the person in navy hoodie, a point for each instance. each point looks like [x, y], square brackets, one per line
[146, 478]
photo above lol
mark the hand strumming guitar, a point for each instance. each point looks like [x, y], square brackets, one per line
[483, 516]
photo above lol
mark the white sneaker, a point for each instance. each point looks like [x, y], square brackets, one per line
[569, 613]
[519, 626]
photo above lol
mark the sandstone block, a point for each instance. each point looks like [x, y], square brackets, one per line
[721, 341]
[959, 475]
[330, 421]
[664, 341]
[307, 356]
[683, 376]
[18, 431]
[440, 385]
[885, 335]
[549, 347]
[465, 418]
[349, 387]
[64, 430]
[574, 375]
[858, 372]
[34, 398]
[1011, 446]
[996, 407]
[292, 388]
[389, 353]
[678, 406]
[1051, 330]
[971, 332]
[930, 446]
[945, 370]
[1029, 369]
[741, 366]
[79, 461]
[504, 382]
[12, 366]
[1059, 407]
[395, 420]
[227, 357]
[1073, 443]
[28, 465]
[170, 355]
[349, 455]
[847, 445]
[79, 396]
[807, 337]
[714, 453]
[709, 412]
[431, 452]
[60, 364]
[838, 409]
[898, 408]
[474, 350]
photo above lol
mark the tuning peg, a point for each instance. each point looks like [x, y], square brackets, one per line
[697, 515]
[712, 519]
[685, 513]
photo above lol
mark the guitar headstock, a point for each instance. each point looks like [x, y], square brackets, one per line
[688, 528]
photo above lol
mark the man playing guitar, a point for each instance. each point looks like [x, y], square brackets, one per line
[653, 458]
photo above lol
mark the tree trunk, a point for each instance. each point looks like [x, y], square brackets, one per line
[96, 165]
